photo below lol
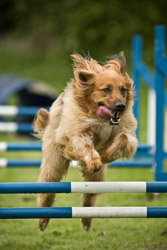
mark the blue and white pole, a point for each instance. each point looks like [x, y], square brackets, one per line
[37, 163]
[4, 146]
[83, 187]
[19, 163]
[14, 110]
[83, 212]
[16, 127]
[142, 149]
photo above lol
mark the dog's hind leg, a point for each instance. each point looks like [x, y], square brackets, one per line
[53, 167]
[89, 200]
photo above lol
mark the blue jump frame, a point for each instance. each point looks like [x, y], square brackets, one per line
[157, 82]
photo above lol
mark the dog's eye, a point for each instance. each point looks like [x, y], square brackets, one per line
[123, 90]
[106, 90]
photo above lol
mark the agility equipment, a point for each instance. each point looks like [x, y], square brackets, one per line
[83, 212]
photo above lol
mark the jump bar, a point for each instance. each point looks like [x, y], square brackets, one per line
[15, 127]
[83, 212]
[37, 163]
[4, 146]
[83, 187]
[14, 110]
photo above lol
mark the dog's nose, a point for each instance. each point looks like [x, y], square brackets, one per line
[120, 106]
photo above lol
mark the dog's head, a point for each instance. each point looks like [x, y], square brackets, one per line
[107, 91]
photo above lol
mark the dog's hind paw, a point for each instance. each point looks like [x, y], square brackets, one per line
[86, 222]
[43, 224]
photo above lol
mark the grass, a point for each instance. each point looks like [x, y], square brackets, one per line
[68, 233]
[52, 67]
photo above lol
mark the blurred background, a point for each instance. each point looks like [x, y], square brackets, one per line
[37, 37]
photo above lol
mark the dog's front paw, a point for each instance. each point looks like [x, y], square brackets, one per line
[129, 147]
[124, 146]
[94, 165]
[122, 140]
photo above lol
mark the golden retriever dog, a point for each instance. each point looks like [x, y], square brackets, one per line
[91, 122]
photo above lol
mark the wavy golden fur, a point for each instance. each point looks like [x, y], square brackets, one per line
[72, 131]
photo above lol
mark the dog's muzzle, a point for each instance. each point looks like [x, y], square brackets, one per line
[112, 117]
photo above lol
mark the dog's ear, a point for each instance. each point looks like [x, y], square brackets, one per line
[117, 63]
[79, 62]
[87, 65]
[84, 77]
[83, 84]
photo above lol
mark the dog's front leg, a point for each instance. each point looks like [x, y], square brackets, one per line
[123, 146]
[81, 148]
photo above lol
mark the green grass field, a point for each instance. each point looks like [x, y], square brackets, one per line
[68, 233]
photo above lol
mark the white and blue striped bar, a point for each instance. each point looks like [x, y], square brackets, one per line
[4, 146]
[14, 110]
[144, 147]
[16, 127]
[132, 163]
[37, 163]
[19, 163]
[83, 187]
[83, 212]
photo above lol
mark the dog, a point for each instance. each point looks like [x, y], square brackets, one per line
[91, 122]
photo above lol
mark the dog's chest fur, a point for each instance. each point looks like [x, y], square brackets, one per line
[102, 134]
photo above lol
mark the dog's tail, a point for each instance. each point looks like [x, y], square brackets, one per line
[40, 122]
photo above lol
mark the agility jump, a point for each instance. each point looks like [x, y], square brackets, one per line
[84, 212]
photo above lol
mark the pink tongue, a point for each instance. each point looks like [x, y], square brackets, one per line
[103, 112]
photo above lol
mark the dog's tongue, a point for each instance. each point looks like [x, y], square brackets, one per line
[103, 112]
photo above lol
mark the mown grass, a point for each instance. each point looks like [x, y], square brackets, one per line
[68, 233]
